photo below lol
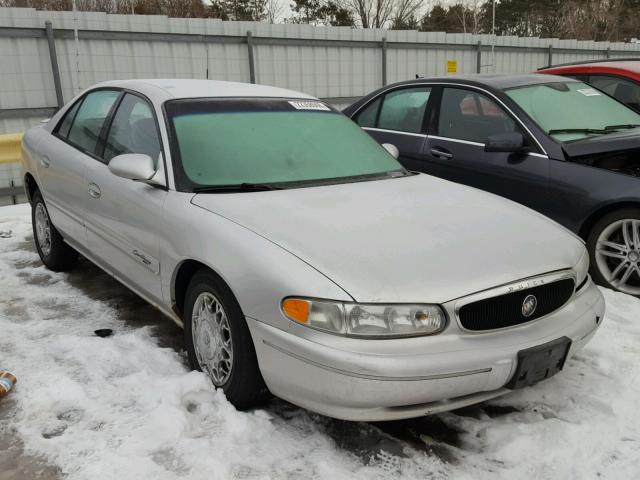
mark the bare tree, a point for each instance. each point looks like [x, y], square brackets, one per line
[371, 13]
[274, 10]
[405, 12]
[469, 14]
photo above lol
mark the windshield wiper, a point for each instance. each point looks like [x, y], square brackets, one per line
[579, 130]
[240, 187]
[621, 127]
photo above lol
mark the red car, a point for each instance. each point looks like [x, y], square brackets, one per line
[619, 78]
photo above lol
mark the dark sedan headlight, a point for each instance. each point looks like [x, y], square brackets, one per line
[366, 320]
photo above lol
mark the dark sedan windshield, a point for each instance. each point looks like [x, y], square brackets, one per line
[573, 110]
[271, 141]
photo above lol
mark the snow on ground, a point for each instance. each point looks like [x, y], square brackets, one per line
[128, 407]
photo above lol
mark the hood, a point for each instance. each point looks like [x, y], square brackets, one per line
[621, 140]
[409, 239]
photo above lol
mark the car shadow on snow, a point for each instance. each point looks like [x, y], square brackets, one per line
[437, 436]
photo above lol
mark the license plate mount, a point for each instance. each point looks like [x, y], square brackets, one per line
[539, 363]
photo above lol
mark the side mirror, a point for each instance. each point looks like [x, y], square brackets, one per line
[134, 166]
[512, 142]
[392, 149]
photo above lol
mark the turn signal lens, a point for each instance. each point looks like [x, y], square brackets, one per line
[366, 320]
[296, 309]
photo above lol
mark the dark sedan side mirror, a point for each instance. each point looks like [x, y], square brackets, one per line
[512, 142]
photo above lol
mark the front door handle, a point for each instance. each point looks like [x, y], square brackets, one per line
[44, 161]
[441, 153]
[94, 190]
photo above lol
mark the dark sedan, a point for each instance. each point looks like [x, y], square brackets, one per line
[552, 143]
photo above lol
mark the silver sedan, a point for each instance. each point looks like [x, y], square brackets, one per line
[301, 258]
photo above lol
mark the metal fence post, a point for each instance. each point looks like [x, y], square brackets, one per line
[607, 52]
[54, 63]
[479, 58]
[252, 66]
[384, 61]
[550, 61]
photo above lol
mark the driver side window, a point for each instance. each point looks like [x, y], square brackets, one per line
[133, 130]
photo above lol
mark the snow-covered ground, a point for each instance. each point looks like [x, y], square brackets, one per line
[127, 407]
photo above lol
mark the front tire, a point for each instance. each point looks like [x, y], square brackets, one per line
[614, 251]
[54, 252]
[218, 340]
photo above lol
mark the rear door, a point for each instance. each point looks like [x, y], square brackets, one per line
[125, 218]
[62, 167]
[397, 117]
[464, 119]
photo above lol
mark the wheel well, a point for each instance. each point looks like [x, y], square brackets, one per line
[182, 277]
[598, 214]
[31, 186]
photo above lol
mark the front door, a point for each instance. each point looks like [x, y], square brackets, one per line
[455, 151]
[125, 218]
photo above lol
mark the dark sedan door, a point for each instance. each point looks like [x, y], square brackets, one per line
[466, 118]
[397, 117]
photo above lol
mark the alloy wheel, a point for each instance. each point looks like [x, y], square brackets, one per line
[618, 255]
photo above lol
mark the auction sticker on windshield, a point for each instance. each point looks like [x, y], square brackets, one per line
[589, 92]
[309, 105]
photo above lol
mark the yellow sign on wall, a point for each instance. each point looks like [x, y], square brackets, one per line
[452, 66]
[11, 148]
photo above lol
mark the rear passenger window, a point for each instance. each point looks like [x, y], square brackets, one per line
[133, 130]
[86, 127]
[367, 118]
[467, 115]
[403, 110]
[65, 125]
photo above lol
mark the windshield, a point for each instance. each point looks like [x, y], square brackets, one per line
[573, 110]
[271, 141]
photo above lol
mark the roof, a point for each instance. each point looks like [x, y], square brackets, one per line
[632, 64]
[160, 90]
[626, 68]
[497, 81]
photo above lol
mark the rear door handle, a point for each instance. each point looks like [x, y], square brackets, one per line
[437, 152]
[94, 190]
[44, 161]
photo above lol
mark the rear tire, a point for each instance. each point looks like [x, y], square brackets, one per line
[54, 252]
[218, 340]
[614, 251]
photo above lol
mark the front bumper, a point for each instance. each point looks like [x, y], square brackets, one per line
[356, 379]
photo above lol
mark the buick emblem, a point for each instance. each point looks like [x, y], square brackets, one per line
[529, 305]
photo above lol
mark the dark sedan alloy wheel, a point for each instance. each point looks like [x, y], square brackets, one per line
[617, 255]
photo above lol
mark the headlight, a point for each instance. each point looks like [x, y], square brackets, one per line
[582, 268]
[366, 320]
